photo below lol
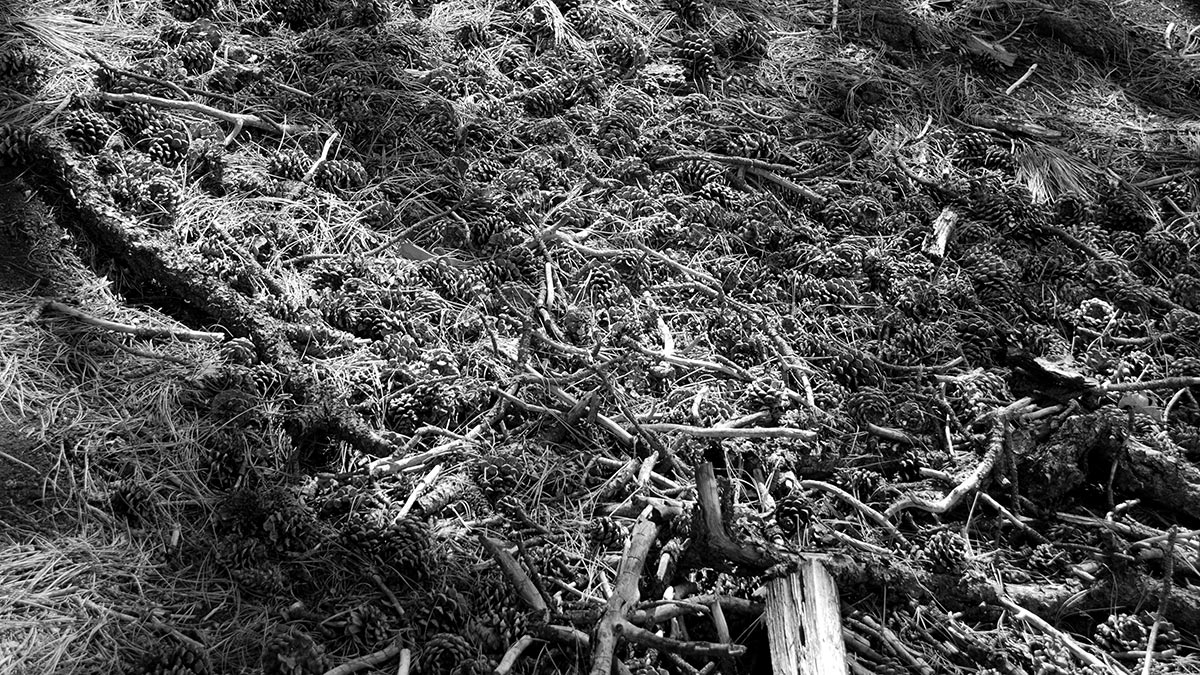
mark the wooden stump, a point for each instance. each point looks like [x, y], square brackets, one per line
[804, 622]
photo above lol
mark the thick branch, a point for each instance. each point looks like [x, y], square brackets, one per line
[625, 593]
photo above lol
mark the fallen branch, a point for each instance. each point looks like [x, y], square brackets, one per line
[694, 605]
[151, 333]
[862, 508]
[1160, 614]
[1073, 241]
[726, 159]
[514, 652]
[729, 371]
[239, 120]
[646, 638]
[716, 286]
[625, 594]
[514, 573]
[807, 193]
[139, 76]
[1022, 614]
[1148, 385]
[968, 485]
[368, 661]
[730, 432]
[312, 170]
[943, 227]
[714, 535]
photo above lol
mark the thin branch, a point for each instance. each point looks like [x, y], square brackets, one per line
[1165, 383]
[152, 333]
[243, 120]
[139, 76]
[968, 485]
[514, 652]
[625, 593]
[646, 638]
[729, 432]
[364, 662]
[1045, 628]
[726, 159]
[875, 516]
[807, 193]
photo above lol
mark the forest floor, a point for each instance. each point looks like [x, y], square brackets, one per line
[360, 336]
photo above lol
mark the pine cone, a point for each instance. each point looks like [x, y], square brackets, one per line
[993, 281]
[445, 654]
[133, 500]
[624, 53]
[290, 651]
[179, 659]
[88, 131]
[20, 70]
[747, 44]
[946, 552]
[497, 477]
[697, 55]
[691, 13]
[196, 57]
[1121, 633]
[606, 534]
[190, 10]
[972, 147]
[440, 612]
[339, 175]
[793, 513]
[855, 370]
[16, 146]
[369, 625]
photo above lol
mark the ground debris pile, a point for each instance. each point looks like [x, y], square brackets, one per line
[543, 336]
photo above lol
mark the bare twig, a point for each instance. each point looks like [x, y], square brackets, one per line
[152, 333]
[1165, 383]
[514, 573]
[726, 159]
[514, 652]
[139, 76]
[646, 638]
[1160, 615]
[968, 485]
[807, 193]
[238, 119]
[368, 661]
[730, 432]
[1022, 614]
[862, 508]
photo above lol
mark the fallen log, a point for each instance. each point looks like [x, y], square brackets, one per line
[88, 210]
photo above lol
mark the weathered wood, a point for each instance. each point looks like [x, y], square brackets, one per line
[943, 227]
[804, 622]
[625, 595]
